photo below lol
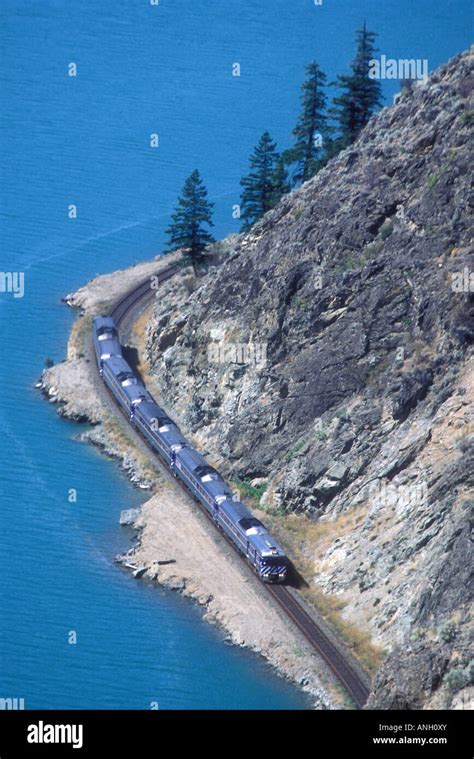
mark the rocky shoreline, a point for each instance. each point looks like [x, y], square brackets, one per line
[175, 546]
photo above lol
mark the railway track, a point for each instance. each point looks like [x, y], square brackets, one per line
[314, 634]
[333, 657]
[123, 306]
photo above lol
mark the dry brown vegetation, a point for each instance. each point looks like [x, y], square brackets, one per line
[303, 539]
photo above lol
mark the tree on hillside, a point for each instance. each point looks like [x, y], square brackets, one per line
[264, 184]
[360, 96]
[280, 182]
[311, 128]
[192, 215]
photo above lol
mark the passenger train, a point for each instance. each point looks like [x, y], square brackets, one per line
[248, 534]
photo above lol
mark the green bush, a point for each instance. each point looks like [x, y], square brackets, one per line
[251, 491]
[457, 679]
[448, 632]
[386, 230]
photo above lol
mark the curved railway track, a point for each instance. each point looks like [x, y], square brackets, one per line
[339, 664]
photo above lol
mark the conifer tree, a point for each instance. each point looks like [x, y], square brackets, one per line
[280, 182]
[311, 128]
[258, 194]
[360, 96]
[192, 215]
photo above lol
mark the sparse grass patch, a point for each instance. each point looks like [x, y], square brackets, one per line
[433, 180]
[148, 468]
[293, 451]
[81, 331]
[304, 539]
[298, 212]
[372, 250]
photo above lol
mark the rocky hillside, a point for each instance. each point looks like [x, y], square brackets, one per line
[329, 356]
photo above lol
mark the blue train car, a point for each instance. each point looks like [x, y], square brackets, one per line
[163, 435]
[200, 478]
[254, 541]
[106, 339]
[125, 386]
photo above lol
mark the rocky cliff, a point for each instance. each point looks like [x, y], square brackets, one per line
[326, 364]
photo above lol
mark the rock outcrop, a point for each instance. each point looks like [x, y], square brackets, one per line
[329, 355]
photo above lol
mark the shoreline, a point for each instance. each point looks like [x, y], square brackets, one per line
[175, 546]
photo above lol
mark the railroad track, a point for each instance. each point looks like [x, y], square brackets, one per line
[145, 288]
[339, 664]
[333, 657]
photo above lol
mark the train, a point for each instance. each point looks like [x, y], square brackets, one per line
[206, 485]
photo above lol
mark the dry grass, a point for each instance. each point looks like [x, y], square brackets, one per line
[121, 441]
[81, 329]
[303, 539]
[139, 339]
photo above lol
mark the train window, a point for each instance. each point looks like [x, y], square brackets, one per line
[248, 522]
[206, 471]
[106, 333]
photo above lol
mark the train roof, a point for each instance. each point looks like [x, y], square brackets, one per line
[136, 393]
[150, 411]
[264, 543]
[109, 348]
[190, 458]
[104, 321]
[234, 510]
[106, 337]
[118, 365]
[172, 436]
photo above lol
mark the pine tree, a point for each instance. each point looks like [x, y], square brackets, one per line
[258, 195]
[192, 213]
[280, 182]
[311, 128]
[360, 95]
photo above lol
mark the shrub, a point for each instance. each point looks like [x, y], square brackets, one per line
[249, 490]
[448, 632]
[386, 230]
[457, 679]
[48, 362]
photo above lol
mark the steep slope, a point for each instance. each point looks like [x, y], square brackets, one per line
[353, 401]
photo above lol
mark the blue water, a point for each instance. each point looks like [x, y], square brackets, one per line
[85, 140]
